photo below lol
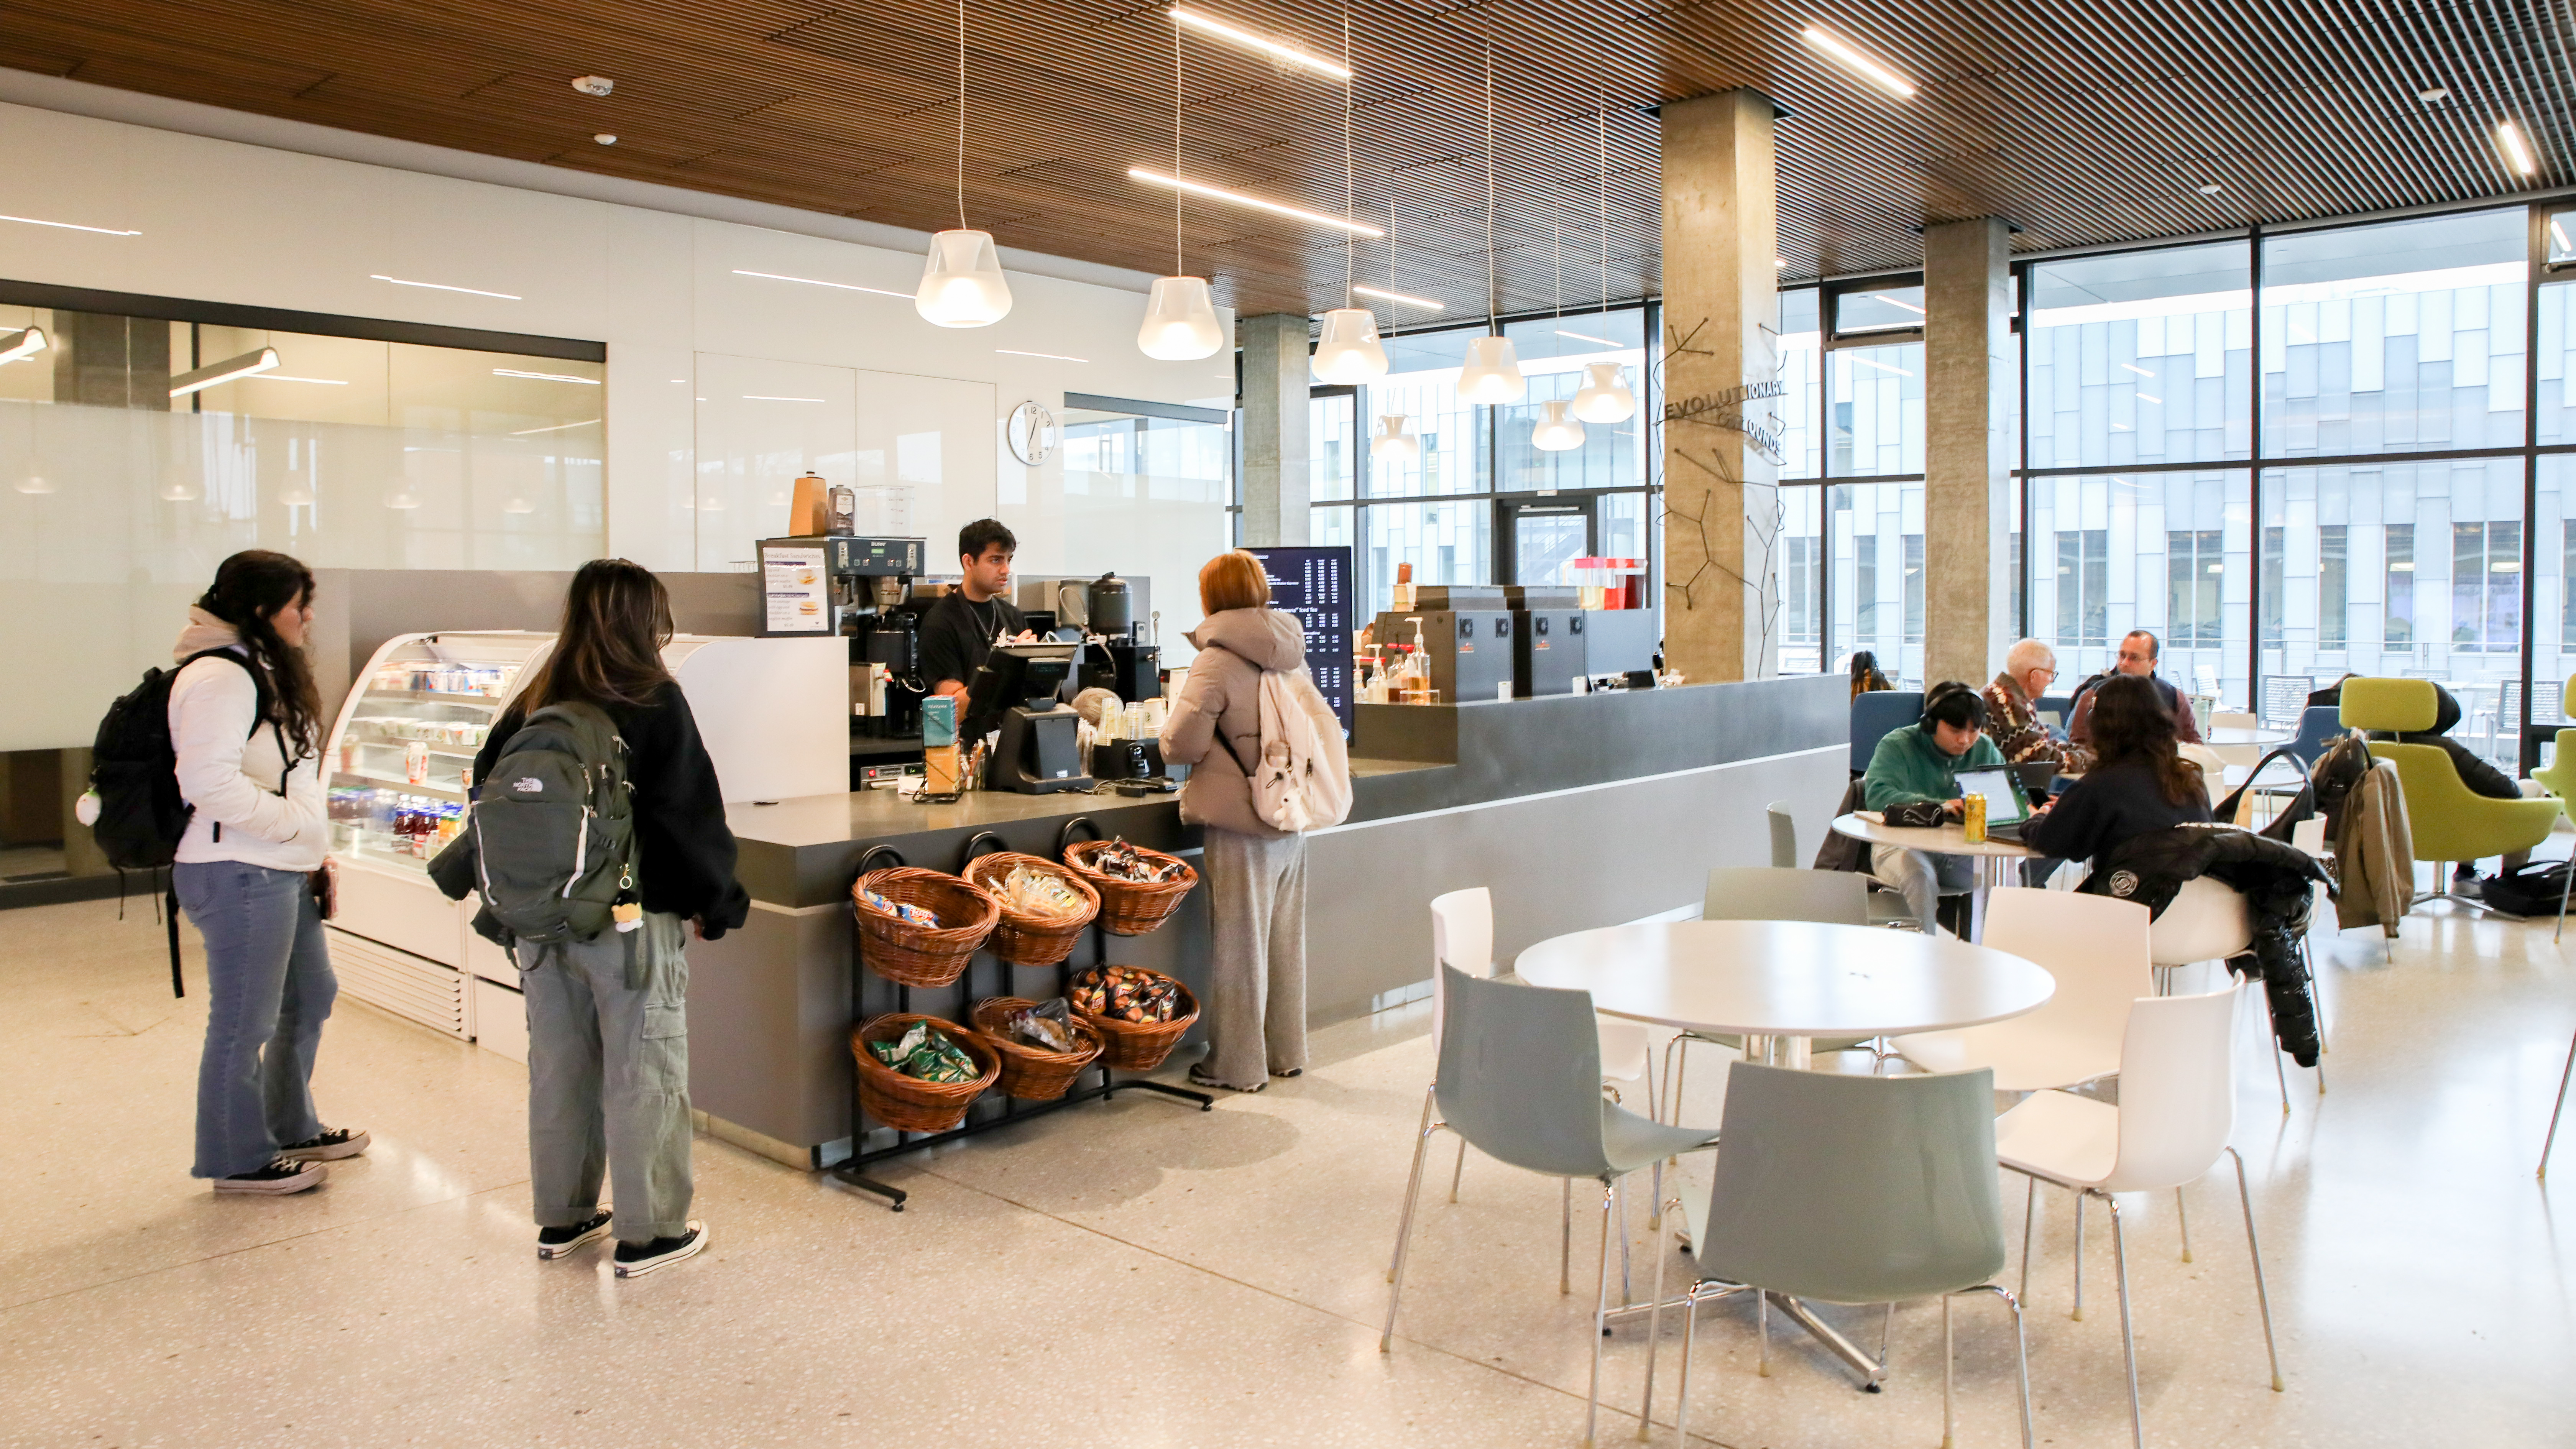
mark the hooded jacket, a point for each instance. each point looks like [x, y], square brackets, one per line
[254, 803]
[2279, 885]
[1223, 694]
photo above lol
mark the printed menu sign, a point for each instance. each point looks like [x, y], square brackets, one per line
[796, 590]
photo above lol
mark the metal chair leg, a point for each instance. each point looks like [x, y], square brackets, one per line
[1949, 1358]
[1681, 1408]
[2563, 888]
[1565, 1250]
[2021, 1353]
[2272, 1040]
[2569, 1071]
[1626, 1297]
[1762, 1332]
[2182, 1219]
[1459, 1170]
[1610, 1203]
[1655, 1322]
[2262, 1294]
[2128, 1336]
[2079, 1255]
[2029, 1220]
[1421, 1143]
[1404, 1230]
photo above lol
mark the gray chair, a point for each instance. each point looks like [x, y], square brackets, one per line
[1520, 1077]
[1848, 1189]
[1784, 836]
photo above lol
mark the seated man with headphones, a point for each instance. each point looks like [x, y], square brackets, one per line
[1913, 780]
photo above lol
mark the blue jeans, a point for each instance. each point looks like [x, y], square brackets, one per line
[269, 988]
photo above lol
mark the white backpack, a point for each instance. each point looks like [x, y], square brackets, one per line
[1303, 778]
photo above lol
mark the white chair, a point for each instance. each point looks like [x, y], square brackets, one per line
[2240, 755]
[2096, 948]
[2207, 921]
[2177, 1110]
[1462, 936]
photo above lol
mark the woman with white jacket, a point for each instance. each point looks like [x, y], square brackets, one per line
[246, 721]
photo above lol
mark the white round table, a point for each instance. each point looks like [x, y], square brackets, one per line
[1787, 980]
[1991, 855]
[2217, 736]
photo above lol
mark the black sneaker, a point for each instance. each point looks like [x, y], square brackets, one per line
[553, 1243]
[634, 1260]
[330, 1145]
[1199, 1078]
[282, 1175]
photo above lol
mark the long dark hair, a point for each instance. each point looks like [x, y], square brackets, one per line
[249, 587]
[1865, 676]
[617, 617]
[2130, 721]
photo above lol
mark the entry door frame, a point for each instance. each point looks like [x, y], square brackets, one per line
[1509, 506]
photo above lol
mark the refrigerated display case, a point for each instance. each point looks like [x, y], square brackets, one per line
[772, 713]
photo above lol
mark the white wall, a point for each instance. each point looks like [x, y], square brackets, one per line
[222, 220]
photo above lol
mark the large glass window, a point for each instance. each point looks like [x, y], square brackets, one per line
[2163, 552]
[1421, 386]
[1877, 574]
[1801, 360]
[1554, 356]
[2398, 337]
[2141, 357]
[2553, 405]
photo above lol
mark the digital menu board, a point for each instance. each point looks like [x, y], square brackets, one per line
[1314, 586]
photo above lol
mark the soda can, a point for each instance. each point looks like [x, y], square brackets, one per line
[1972, 815]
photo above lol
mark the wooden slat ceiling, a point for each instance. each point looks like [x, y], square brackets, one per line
[2081, 121]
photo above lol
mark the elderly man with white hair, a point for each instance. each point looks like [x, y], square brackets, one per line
[2012, 710]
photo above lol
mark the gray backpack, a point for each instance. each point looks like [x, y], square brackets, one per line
[553, 829]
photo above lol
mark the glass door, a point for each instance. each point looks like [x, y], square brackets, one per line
[1542, 537]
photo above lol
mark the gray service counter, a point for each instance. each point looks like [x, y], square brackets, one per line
[1576, 810]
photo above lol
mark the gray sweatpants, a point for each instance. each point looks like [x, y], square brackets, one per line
[1256, 1008]
[608, 1078]
[1922, 877]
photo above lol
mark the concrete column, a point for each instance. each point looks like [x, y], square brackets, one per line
[1970, 398]
[1277, 477]
[1721, 363]
[105, 361]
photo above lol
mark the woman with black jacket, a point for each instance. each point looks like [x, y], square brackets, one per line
[608, 1044]
[2139, 781]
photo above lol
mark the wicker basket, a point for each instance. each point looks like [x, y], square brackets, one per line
[1141, 1046]
[909, 1103]
[913, 955]
[1131, 908]
[1034, 1074]
[1026, 940]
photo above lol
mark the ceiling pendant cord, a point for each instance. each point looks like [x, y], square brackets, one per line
[1178, 269]
[1490, 303]
[1350, 239]
[1602, 110]
[961, 115]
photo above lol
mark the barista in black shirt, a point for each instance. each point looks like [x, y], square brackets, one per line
[961, 628]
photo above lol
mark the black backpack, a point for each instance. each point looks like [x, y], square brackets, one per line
[134, 772]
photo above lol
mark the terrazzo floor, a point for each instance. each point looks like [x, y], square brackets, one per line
[1140, 1274]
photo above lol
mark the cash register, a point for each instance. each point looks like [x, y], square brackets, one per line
[1014, 690]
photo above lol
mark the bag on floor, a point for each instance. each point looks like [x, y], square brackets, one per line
[2530, 889]
[554, 830]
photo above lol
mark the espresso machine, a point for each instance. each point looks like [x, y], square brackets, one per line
[871, 600]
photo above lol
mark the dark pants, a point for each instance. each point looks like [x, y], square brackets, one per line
[269, 988]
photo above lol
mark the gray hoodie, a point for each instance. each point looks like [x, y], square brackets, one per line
[1223, 691]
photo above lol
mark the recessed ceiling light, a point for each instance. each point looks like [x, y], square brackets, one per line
[1289, 53]
[766, 397]
[2140, 371]
[593, 85]
[70, 226]
[606, 138]
[545, 376]
[1885, 367]
[1049, 356]
[2210, 188]
[2516, 150]
[215, 374]
[1853, 59]
[1586, 337]
[819, 282]
[1779, 261]
[557, 428]
[1381, 292]
[443, 287]
[2142, 397]
[282, 377]
[2434, 95]
[1898, 302]
[1356, 228]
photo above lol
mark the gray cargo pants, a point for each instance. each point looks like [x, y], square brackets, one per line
[1256, 1011]
[608, 1078]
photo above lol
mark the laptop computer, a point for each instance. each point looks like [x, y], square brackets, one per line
[2037, 777]
[2007, 810]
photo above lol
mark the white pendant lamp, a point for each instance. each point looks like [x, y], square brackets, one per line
[1180, 321]
[1493, 373]
[1392, 443]
[1349, 352]
[1604, 396]
[961, 283]
[1180, 317]
[1556, 432]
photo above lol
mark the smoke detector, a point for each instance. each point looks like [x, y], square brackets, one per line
[593, 85]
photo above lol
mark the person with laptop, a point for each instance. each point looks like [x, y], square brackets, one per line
[2139, 781]
[1913, 779]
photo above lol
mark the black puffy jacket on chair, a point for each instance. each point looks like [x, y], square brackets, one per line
[2277, 882]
